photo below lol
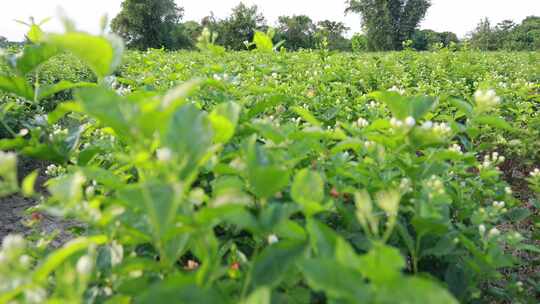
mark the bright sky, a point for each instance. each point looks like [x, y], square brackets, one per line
[459, 16]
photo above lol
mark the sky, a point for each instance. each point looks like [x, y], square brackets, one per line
[458, 16]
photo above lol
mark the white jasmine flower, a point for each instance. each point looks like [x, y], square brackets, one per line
[482, 229]
[35, 295]
[493, 232]
[410, 121]
[272, 239]
[486, 100]
[397, 90]
[23, 132]
[13, 242]
[396, 123]
[362, 123]
[455, 148]
[498, 205]
[85, 265]
[164, 155]
[24, 260]
[427, 125]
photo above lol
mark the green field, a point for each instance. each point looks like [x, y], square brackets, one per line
[271, 177]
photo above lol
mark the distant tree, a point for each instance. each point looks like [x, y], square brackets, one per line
[526, 36]
[240, 26]
[148, 23]
[334, 33]
[210, 22]
[359, 43]
[423, 40]
[3, 41]
[387, 23]
[483, 37]
[298, 32]
[185, 35]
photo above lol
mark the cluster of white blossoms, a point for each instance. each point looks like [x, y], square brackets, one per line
[486, 100]
[492, 160]
[405, 186]
[406, 124]
[372, 105]
[11, 252]
[58, 130]
[493, 232]
[456, 148]
[368, 144]
[436, 186]
[400, 91]
[218, 77]
[498, 205]
[40, 119]
[361, 123]
[535, 173]
[439, 128]
[54, 170]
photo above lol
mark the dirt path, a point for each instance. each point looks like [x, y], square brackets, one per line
[14, 214]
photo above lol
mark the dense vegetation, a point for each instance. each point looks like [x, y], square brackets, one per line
[272, 177]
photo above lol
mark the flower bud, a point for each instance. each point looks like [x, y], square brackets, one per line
[85, 265]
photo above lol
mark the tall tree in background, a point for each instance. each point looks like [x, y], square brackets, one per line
[333, 32]
[298, 32]
[388, 23]
[240, 26]
[482, 37]
[507, 35]
[424, 40]
[148, 23]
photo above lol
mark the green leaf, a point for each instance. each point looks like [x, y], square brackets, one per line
[190, 136]
[33, 56]
[323, 239]
[425, 226]
[335, 280]
[8, 174]
[157, 200]
[109, 108]
[493, 121]
[55, 259]
[262, 295]
[518, 214]
[35, 34]
[307, 116]
[308, 190]
[18, 86]
[179, 288]
[224, 118]
[102, 55]
[265, 176]
[67, 189]
[272, 264]
[62, 109]
[462, 105]
[403, 106]
[263, 42]
[49, 90]
[382, 264]
[414, 290]
[28, 184]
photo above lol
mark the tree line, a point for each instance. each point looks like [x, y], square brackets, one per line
[386, 25]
